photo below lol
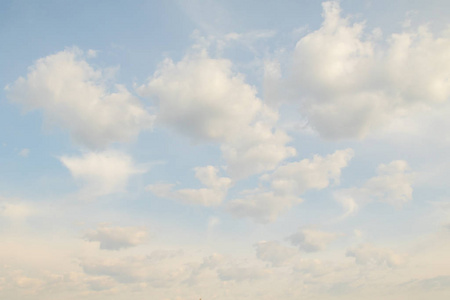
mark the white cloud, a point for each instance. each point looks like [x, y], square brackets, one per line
[367, 254]
[116, 238]
[297, 177]
[274, 252]
[202, 98]
[262, 207]
[312, 240]
[214, 193]
[349, 82]
[259, 149]
[24, 152]
[101, 173]
[287, 183]
[392, 185]
[75, 96]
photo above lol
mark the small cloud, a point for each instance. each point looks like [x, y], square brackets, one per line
[213, 222]
[358, 233]
[24, 152]
[116, 238]
[101, 173]
[91, 53]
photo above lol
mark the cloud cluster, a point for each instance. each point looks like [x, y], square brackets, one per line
[204, 99]
[393, 185]
[214, 193]
[348, 81]
[287, 183]
[75, 96]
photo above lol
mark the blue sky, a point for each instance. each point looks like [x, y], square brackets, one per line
[224, 150]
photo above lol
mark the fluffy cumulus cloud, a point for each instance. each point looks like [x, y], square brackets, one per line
[204, 99]
[393, 185]
[116, 238]
[75, 96]
[101, 173]
[312, 240]
[367, 254]
[316, 173]
[274, 252]
[349, 81]
[214, 193]
[287, 183]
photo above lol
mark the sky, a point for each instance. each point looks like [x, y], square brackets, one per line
[227, 150]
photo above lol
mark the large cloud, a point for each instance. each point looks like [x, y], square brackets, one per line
[74, 95]
[203, 98]
[349, 82]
